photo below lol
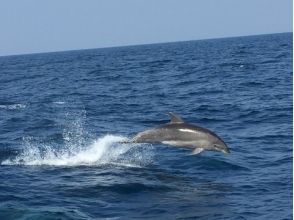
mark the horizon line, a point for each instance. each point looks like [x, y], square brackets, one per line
[143, 44]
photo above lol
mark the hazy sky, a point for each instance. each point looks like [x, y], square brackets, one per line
[31, 26]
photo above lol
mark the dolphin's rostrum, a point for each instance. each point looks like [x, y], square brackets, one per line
[180, 134]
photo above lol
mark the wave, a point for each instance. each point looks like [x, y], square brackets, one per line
[104, 150]
[59, 102]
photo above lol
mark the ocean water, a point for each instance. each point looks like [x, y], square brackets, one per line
[62, 116]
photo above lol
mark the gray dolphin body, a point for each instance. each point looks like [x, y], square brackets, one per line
[180, 134]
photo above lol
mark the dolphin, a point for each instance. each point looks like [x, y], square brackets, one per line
[181, 134]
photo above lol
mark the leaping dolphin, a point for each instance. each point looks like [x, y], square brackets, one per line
[180, 134]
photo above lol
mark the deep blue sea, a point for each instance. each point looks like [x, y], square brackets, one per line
[63, 114]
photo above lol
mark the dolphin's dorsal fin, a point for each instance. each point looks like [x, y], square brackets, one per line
[174, 118]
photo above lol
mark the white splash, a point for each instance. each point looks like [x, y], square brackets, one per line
[76, 148]
[105, 150]
[13, 106]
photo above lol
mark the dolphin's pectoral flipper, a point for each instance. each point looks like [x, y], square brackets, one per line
[197, 151]
[174, 118]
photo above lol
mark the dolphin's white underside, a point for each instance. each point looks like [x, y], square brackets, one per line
[193, 144]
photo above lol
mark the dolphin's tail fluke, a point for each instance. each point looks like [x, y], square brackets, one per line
[126, 142]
